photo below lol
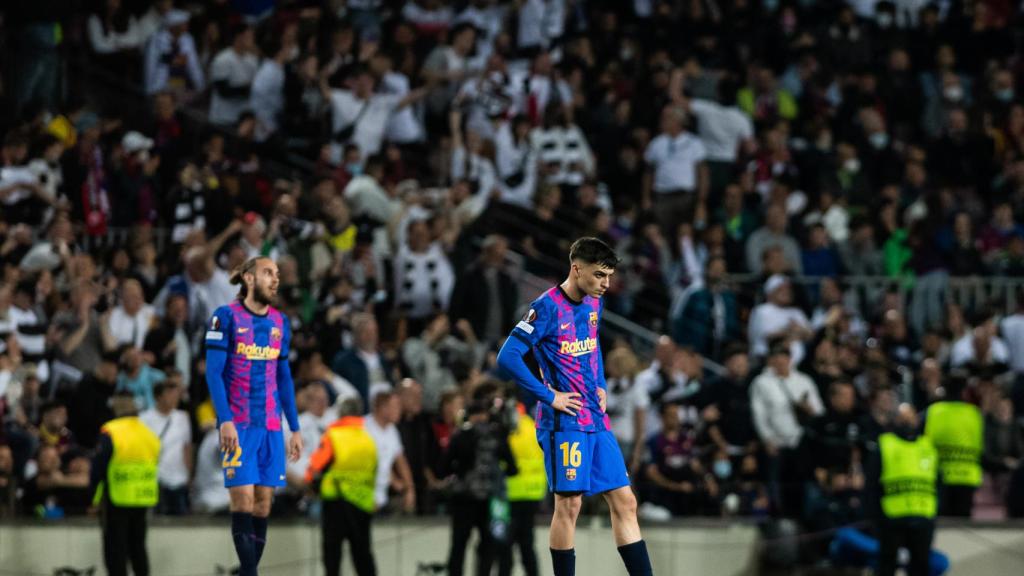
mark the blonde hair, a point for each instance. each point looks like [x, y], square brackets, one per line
[623, 363]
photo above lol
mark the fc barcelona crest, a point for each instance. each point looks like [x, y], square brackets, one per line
[570, 474]
[275, 333]
[230, 473]
[593, 318]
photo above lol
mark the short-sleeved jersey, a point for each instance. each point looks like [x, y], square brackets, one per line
[563, 336]
[254, 345]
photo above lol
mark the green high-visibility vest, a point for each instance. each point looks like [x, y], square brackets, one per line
[530, 483]
[132, 473]
[909, 475]
[957, 431]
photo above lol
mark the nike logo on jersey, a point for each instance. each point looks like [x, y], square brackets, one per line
[566, 325]
[243, 330]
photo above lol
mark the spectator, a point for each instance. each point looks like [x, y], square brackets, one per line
[725, 131]
[417, 442]
[1004, 448]
[472, 160]
[174, 430]
[209, 494]
[486, 293]
[423, 276]
[733, 431]
[52, 492]
[359, 115]
[137, 377]
[363, 365]
[170, 341]
[981, 347]
[627, 404]
[132, 319]
[86, 334]
[773, 233]
[268, 86]
[393, 472]
[53, 430]
[781, 399]
[1012, 330]
[819, 257]
[231, 77]
[171, 59]
[679, 480]
[708, 316]
[778, 318]
[562, 150]
[8, 483]
[676, 182]
[29, 324]
[429, 358]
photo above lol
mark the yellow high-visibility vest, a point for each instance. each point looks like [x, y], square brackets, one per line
[957, 431]
[909, 475]
[530, 483]
[353, 470]
[132, 473]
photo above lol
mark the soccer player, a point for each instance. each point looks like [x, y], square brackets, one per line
[581, 455]
[250, 385]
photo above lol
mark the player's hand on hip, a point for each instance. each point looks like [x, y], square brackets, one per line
[294, 447]
[568, 402]
[228, 438]
[603, 397]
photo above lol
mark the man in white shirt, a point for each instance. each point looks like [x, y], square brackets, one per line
[131, 320]
[364, 114]
[982, 346]
[267, 97]
[724, 129]
[231, 75]
[313, 421]
[676, 180]
[779, 398]
[173, 428]
[778, 318]
[392, 468]
[1012, 328]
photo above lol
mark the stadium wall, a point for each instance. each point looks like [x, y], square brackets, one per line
[196, 547]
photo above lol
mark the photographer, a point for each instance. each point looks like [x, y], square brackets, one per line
[476, 464]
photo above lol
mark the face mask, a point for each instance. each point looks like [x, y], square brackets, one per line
[1005, 95]
[723, 468]
[953, 93]
[884, 20]
[879, 140]
[354, 169]
[852, 165]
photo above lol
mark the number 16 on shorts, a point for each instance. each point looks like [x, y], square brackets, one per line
[567, 460]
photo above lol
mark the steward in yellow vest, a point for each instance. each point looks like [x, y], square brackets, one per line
[526, 489]
[124, 474]
[957, 429]
[904, 475]
[344, 468]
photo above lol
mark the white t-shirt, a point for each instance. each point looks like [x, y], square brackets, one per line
[721, 129]
[771, 401]
[963, 351]
[369, 130]
[267, 97]
[1013, 332]
[675, 161]
[175, 434]
[238, 70]
[210, 495]
[767, 319]
[624, 398]
[403, 126]
[389, 448]
[131, 329]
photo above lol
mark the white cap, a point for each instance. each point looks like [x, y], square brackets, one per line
[775, 281]
[176, 17]
[133, 142]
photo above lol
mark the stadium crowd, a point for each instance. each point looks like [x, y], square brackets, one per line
[747, 159]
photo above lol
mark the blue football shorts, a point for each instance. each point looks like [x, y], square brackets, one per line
[259, 459]
[586, 462]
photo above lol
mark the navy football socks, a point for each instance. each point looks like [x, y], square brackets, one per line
[563, 562]
[635, 557]
[259, 536]
[241, 533]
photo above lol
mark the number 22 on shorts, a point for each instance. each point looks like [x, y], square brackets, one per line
[233, 460]
[571, 455]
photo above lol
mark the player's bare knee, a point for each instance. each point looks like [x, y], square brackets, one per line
[622, 503]
[242, 501]
[569, 506]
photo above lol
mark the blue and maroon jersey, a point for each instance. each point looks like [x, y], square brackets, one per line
[563, 335]
[254, 345]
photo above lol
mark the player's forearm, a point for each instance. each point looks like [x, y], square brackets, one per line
[286, 388]
[215, 361]
[510, 359]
